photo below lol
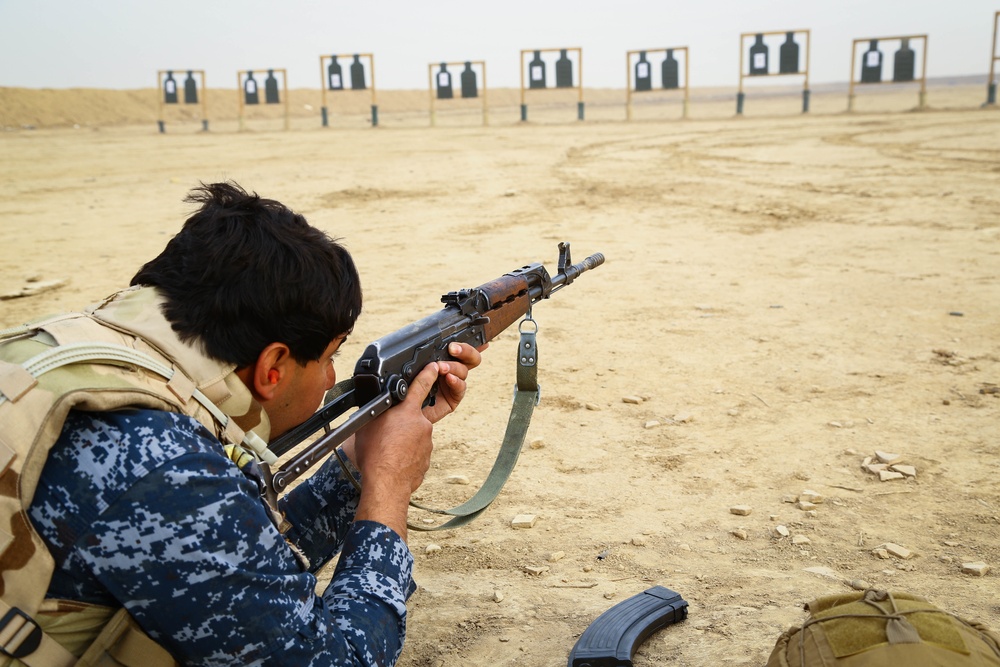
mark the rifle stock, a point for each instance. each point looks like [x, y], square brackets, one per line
[384, 371]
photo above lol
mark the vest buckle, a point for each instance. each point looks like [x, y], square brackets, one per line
[20, 636]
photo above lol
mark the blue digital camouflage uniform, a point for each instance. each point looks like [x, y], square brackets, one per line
[142, 508]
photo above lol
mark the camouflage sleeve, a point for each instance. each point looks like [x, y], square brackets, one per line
[142, 509]
[321, 509]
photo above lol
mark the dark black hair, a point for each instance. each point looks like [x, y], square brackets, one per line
[245, 272]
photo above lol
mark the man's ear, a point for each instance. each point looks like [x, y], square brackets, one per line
[270, 369]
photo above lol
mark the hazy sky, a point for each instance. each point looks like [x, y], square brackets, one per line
[122, 43]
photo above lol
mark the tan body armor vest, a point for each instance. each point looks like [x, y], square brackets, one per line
[118, 354]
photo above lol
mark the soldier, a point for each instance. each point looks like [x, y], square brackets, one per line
[146, 492]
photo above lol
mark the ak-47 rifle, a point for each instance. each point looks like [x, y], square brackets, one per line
[383, 373]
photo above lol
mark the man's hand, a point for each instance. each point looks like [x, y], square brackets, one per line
[451, 384]
[393, 452]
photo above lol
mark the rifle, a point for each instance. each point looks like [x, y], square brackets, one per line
[383, 373]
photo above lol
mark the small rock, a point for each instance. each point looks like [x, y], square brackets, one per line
[875, 468]
[461, 480]
[733, 412]
[684, 547]
[812, 514]
[811, 496]
[682, 417]
[781, 531]
[805, 506]
[497, 596]
[652, 423]
[835, 424]
[978, 569]
[789, 498]
[881, 553]
[510, 193]
[632, 400]
[523, 521]
[739, 534]
[741, 510]
[537, 443]
[609, 595]
[432, 548]
[888, 458]
[588, 568]
[899, 552]
[638, 541]
[556, 556]
[536, 570]
[800, 539]
[860, 585]
[908, 471]
[593, 407]
[889, 475]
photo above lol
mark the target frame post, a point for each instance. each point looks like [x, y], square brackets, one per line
[991, 83]
[741, 96]
[628, 76]
[579, 87]
[161, 77]
[284, 93]
[922, 95]
[430, 87]
[325, 84]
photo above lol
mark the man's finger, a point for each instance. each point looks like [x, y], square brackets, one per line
[422, 384]
[466, 354]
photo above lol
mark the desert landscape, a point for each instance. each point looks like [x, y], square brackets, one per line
[786, 298]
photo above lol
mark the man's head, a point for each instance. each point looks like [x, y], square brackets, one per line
[245, 272]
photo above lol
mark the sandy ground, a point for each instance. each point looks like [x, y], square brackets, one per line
[785, 293]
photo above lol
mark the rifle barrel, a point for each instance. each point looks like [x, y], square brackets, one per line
[567, 276]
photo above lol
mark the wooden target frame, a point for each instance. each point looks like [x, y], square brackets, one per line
[740, 96]
[579, 87]
[161, 77]
[431, 88]
[922, 96]
[239, 91]
[628, 77]
[325, 85]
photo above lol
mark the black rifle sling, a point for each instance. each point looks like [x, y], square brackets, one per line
[526, 395]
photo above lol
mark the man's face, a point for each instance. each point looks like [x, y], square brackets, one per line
[302, 391]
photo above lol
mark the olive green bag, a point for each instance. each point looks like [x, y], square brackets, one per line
[882, 628]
